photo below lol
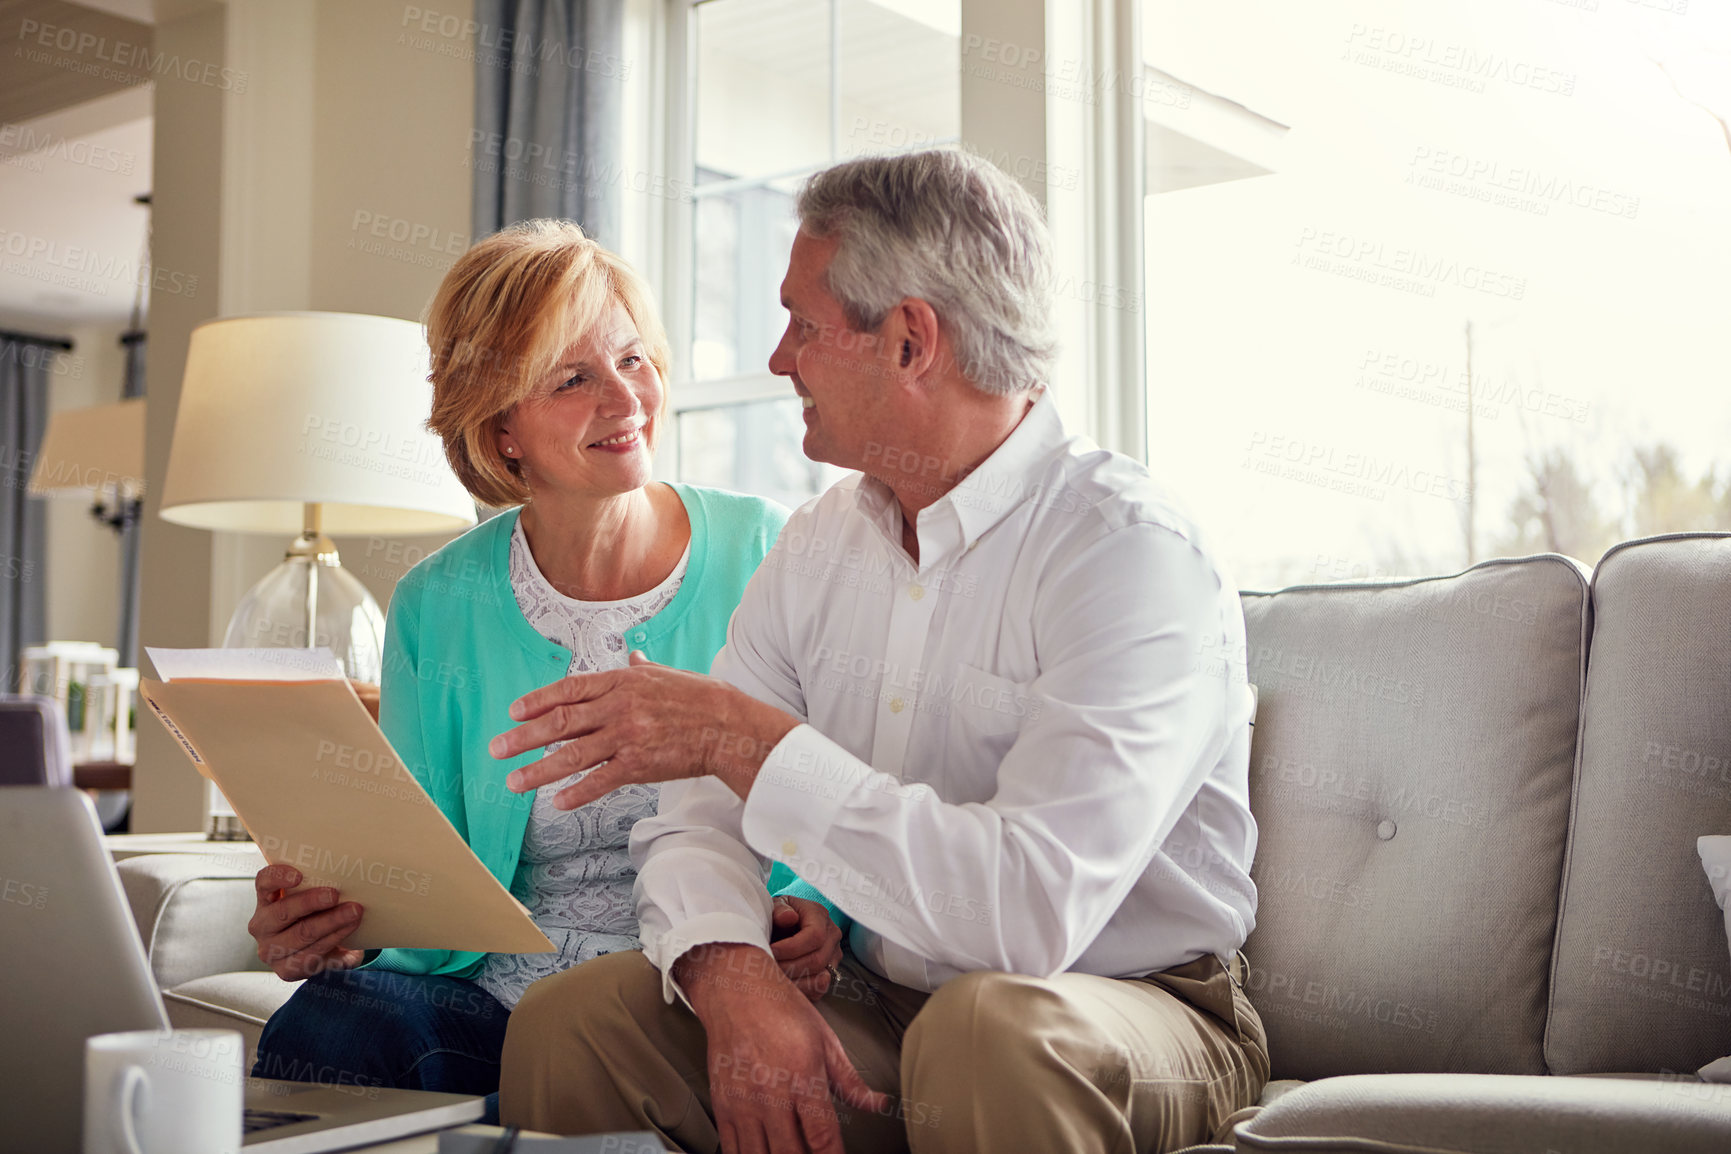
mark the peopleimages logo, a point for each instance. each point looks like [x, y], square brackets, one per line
[1399, 267]
[1352, 472]
[1663, 972]
[1334, 789]
[517, 49]
[321, 866]
[85, 269]
[1272, 988]
[26, 142]
[1467, 67]
[92, 55]
[1521, 187]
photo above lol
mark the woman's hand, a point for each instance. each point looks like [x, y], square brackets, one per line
[301, 934]
[806, 944]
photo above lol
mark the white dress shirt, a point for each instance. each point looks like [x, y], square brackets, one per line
[1028, 753]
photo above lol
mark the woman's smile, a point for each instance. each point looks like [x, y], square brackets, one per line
[620, 443]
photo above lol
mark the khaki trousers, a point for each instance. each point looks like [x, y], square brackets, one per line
[989, 1062]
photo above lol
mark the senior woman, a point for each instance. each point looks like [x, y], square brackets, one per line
[549, 369]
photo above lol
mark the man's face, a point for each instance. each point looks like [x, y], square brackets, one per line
[848, 393]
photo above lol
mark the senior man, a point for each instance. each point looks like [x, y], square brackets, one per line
[988, 695]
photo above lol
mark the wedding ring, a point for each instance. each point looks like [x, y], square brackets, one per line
[834, 975]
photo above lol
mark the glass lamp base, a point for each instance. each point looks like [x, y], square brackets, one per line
[274, 614]
[224, 827]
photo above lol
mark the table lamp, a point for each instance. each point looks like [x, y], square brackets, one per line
[310, 422]
[94, 450]
[98, 453]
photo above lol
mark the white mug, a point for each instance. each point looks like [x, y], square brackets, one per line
[153, 1092]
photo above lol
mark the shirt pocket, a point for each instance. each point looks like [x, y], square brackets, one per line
[985, 713]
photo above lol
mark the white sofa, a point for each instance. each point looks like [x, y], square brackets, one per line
[192, 910]
[1483, 927]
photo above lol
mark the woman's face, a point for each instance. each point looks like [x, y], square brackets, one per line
[585, 429]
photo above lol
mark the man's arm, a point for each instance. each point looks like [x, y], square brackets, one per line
[1123, 725]
[1130, 722]
[697, 880]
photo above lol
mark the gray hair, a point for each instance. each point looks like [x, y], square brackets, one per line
[954, 231]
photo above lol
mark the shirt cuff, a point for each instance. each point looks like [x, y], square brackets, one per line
[800, 788]
[703, 930]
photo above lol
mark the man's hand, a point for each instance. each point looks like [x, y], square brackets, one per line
[647, 723]
[773, 1060]
[806, 943]
[301, 934]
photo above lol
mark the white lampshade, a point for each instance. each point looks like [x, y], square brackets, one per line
[98, 448]
[285, 409]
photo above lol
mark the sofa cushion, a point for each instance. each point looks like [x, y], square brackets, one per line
[192, 911]
[1410, 777]
[1643, 977]
[1493, 1114]
[242, 1001]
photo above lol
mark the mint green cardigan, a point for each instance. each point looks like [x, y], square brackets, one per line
[458, 652]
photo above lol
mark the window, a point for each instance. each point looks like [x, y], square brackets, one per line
[1428, 283]
[780, 89]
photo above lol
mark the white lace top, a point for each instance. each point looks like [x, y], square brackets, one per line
[574, 873]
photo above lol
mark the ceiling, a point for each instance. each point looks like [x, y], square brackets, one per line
[64, 54]
[75, 149]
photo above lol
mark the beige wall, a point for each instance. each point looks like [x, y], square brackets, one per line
[344, 122]
[186, 202]
[392, 119]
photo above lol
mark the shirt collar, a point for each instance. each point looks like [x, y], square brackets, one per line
[984, 497]
[1009, 476]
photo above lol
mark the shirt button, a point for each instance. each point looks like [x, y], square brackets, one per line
[790, 848]
[916, 591]
[896, 705]
[1385, 829]
[638, 636]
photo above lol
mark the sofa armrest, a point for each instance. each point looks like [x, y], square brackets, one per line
[1492, 1114]
[192, 910]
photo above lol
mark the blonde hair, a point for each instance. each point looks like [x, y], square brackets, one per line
[500, 321]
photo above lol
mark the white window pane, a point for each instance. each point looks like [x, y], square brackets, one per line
[752, 448]
[1340, 192]
[900, 75]
[763, 86]
[743, 239]
[770, 111]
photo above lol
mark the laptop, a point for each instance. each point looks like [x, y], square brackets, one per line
[72, 965]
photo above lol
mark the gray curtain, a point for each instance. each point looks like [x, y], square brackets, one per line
[133, 515]
[550, 81]
[24, 364]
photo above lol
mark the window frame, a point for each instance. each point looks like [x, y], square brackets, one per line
[1099, 381]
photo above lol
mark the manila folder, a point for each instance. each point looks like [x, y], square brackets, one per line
[319, 787]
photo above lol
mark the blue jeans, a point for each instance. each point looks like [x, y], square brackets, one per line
[376, 1028]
